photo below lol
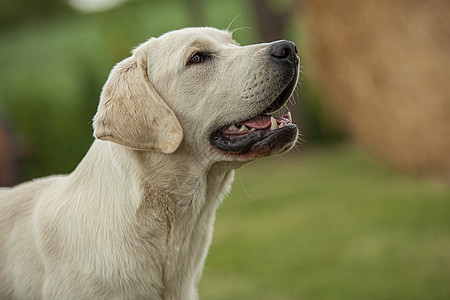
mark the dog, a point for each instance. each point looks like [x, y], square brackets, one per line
[134, 219]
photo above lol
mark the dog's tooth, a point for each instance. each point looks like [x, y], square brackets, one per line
[243, 128]
[232, 127]
[281, 125]
[289, 115]
[273, 123]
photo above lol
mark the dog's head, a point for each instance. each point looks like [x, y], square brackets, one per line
[198, 88]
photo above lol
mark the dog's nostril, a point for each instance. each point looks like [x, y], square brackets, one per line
[280, 52]
[283, 50]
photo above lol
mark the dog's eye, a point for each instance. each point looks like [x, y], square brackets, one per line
[198, 57]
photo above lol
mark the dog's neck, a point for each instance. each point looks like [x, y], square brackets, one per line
[187, 183]
[187, 180]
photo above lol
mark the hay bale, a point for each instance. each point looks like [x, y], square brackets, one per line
[384, 69]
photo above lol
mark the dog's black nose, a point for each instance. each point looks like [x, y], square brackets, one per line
[283, 50]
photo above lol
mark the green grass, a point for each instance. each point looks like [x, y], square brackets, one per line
[331, 224]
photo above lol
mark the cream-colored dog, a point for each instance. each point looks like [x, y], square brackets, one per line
[134, 220]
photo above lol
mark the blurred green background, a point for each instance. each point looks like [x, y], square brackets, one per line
[329, 220]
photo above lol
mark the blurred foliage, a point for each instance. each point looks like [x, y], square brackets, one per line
[318, 126]
[18, 11]
[52, 71]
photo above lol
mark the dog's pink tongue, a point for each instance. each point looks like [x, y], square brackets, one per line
[259, 122]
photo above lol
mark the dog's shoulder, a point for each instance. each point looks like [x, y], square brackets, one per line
[22, 197]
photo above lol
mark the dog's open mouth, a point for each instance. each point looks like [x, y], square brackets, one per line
[263, 134]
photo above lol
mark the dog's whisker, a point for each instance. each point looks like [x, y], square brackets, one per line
[243, 187]
[241, 28]
[232, 21]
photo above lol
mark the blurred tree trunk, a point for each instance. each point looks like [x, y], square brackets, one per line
[272, 22]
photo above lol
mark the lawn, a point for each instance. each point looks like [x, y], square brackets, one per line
[330, 224]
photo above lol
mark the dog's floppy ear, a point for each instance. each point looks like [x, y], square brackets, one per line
[132, 113]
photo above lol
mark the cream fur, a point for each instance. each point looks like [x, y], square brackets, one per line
[134, 220]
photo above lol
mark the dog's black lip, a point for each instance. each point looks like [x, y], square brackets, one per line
[257, 139]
